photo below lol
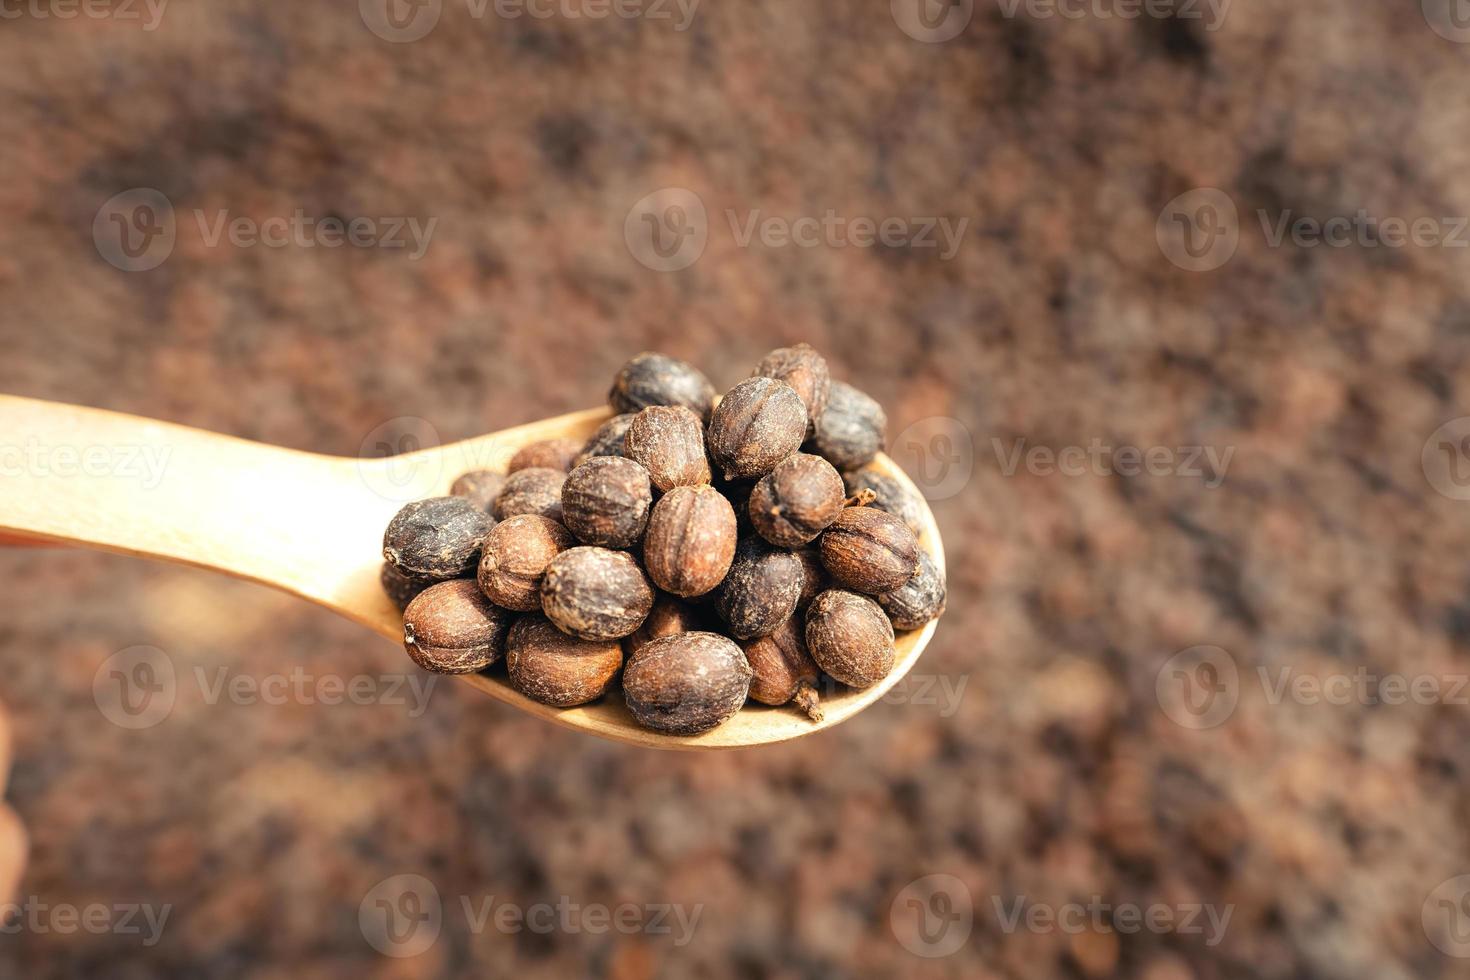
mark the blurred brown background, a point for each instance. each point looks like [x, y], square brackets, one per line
[1054, 773]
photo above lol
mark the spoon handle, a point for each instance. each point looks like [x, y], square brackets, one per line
[141, 487]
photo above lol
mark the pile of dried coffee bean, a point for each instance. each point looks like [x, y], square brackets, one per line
[712, 550]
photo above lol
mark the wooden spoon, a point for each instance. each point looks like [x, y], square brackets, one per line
[312, 526]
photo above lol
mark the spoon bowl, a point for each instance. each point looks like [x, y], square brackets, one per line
[312, 525]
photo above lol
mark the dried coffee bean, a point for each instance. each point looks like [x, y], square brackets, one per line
[690, 541]
[550, 454]
[402, 588]
[782, 671]
[869, 550]
[814, 577]
[605, 502]
[918, 600]
[804, 370]
[515, 557]
[596, 593]
[887, 494]
[548, 666]
[758, 424]
[761, 590]
[852, 430]
[654, 379]
[436, 538]
[850, 637]
[607, 440]
[796, 501]
[686, 684]
[669, 441]
[479, 487]
[669, 617]
[533, 491]
[451, 628]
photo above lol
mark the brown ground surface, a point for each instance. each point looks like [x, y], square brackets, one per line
[1056, 777]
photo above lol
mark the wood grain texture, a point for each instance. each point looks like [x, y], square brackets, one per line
[311, 525]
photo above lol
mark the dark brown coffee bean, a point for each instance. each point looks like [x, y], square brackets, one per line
[669, 441]
[436, 538]
[451, 628]
[607, 440]
[605, 502]
[918, 600]
[758, 424]
[654, 379]
[850, 637]
[515, 557]
[686, 684]
[814, 577]
[549, 454]
[402, 588]
[796, 501]
[869, 550]
[852, 430]
[887, 494]
[782, 671]
[479, 487]
[548, 666]
[596, 593]
[761, 590]
[690, 541]
[533, 491]
[670, 616]
[804, 370]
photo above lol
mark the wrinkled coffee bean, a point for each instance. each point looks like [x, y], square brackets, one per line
[686, 684]
[451, 628]
[515, 557]
[805, 371]
[436, 538]
[668, 440]
[852, 430]
[607, 440]
[549, 454]
[850, 637]
[758, 424]
[887, 494]
[869, 550]
[782, 671]
[605, 502]
[670, 616]
[918, 600]
[596, 593]
[479, 487]
[654, 379]
[796, 501]
[546, 665]
[402, 588]
[533, 491]
[761, 590]
[691, 540]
